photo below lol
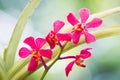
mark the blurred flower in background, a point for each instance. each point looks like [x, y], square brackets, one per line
[104, 63]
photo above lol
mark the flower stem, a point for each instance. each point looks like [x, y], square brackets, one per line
[55, 60]
[67, 57]
[44, 73]
[43, 62]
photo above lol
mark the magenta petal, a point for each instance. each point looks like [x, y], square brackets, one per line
[52, 45]
[64, 37]
[72, 19]
[40, 42]
[31, 42]
[85, 53]
[46, 53]
[32, 65]
[50, 42]
[89, 37]
[58, 25]
[76, 37]
[96, 22]
[69, 68]
[84, 14]
[24, 52]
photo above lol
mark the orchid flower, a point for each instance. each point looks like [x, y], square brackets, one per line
[78, 59]
[36, 52]
[81, 27]
[53, 38]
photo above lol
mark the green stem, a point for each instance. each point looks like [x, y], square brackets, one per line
[46, 70]
[55, 60]
[44, 73]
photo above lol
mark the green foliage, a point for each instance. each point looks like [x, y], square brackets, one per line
[15, 38]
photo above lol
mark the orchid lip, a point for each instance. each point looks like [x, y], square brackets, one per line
[53, 37]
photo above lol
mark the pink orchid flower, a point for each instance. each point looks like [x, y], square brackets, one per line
[78, 59]
[80, 27]
[36, 52]
[53, 38]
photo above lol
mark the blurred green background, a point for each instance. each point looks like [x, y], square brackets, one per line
[105, 61]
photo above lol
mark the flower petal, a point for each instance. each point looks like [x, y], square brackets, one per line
[24, 52]
[46, 53]
[76, 37]
[52, 45]
[72, 19]
[40, 42]
[96, 22]
[32, 65]
[85, 53]
[89, 37]
[84, 14]
[69, 68]
[64, 37]
[50, 42]
[58, 25]
[31, 42]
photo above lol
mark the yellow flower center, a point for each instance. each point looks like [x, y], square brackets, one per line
[79, 27]
[36, 55]
[54, 38]
[79, 62]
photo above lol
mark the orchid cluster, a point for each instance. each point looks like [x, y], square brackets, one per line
[54, 37]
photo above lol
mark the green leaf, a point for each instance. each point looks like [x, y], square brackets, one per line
[105, 13]
[14, 41]
[18, 67]
[3, 71]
